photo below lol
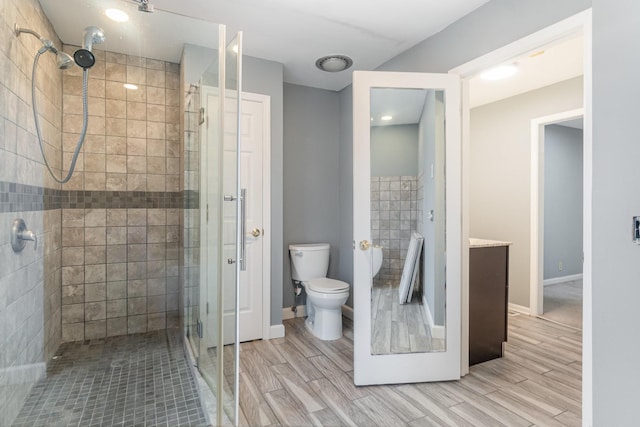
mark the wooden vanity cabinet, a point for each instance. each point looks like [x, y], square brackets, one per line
[488, 300]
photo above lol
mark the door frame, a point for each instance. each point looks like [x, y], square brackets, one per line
[578, 23]
[536, 283]
[265, 100]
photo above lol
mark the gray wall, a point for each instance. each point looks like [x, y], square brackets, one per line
[263, 77]
[311, 176]
[500, 172]
[394, 150]
[562, 201]
[616, 349]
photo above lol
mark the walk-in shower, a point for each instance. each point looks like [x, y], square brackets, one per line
[83, 58]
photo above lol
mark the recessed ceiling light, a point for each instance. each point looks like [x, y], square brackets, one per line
[130, 86]
[116, 15]
[386, 118]
[334, 63]
[500, 72]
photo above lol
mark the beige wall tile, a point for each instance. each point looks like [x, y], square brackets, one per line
[136, 270]
[116, 72]
[95, 311]
[137, 306]
[137, 95]
[136, 164]
[156, 147]
[116, 58]
[117, 327]
[116, 182]
[95, 330]
[156, 183]
[116, 290]
[137, 288]
[155, 113]
[95, 273]
[115, 127]
[156, 321]
[156, 286]
[116, 272]
[73, 275]
[136, 111]
[136, 75]
[95, 236]
[115, 90]
[156, 216]
[137, 252]
[95, 292]
[137, 324]
[95, 254]
[136, 217]
[95, 181]
[116, 145]
[73, 313]
[116, 217]
[94, 162]
[73, 256]
[73, 332]
[95, 217]
[72, 236]
[73, 294]
[136, 182]
[116, 308]
[116, 108]
[156, 95]
[116, 163]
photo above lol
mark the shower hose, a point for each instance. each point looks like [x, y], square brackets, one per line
[85, 119]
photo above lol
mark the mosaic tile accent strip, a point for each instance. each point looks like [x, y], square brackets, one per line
[134, 380]
[28, 198]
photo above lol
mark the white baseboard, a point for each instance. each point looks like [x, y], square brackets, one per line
[519, 308]
[437, 331]
[347, 311]
[276, 331]
[287, 313]
[563, 279]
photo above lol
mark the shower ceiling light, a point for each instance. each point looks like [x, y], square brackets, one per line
[386, 118]
[500, 72]
[116, 15]
[334, 63]
[130, 86]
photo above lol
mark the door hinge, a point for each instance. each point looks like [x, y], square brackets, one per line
[207, 212]
[202, 117]
[207, 308]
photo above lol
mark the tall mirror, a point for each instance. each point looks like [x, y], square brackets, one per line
[408, 214]
[406, 227]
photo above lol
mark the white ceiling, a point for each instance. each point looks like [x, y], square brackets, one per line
[553, 64]
[292, 32]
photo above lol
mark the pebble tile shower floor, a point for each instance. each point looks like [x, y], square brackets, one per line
[134, 380]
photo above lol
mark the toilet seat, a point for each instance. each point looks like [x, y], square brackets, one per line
[327, 286]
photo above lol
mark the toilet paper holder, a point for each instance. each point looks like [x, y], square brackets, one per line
[20, 235]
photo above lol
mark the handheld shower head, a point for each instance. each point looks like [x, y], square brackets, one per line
[84, 57]
[92, 35]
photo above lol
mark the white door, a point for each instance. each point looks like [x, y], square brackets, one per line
[423, 335]
[254, 137]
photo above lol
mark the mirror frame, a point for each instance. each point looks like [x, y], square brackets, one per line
[406, 367]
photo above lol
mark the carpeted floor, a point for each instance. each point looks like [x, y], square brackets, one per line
[563, 303]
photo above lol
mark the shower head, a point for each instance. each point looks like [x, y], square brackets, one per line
[63, 60]
[84, 57]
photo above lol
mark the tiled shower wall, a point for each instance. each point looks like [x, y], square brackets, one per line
[121, 210]
[29, 280]
[393, 218]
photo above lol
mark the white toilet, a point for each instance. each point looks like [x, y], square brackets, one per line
[376, 261]
[309, 265]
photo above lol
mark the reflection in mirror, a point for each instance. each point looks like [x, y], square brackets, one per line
[407, 221]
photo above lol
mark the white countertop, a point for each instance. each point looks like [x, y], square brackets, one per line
[484, 243]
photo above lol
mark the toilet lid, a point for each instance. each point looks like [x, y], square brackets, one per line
[326, 285]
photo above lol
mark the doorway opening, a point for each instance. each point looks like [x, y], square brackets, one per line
[556, 292]
[579, 24]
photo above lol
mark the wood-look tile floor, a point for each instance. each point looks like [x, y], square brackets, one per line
[397, 328]
[300, 381]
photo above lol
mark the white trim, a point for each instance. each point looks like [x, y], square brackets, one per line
[581, 22]
[437, 331]
[536, 255]
[519, 308]
[563, 279]
[288, 313]
[276, 331]
[347, 311]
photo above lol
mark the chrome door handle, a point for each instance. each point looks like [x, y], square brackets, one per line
[365, 245]
[243, 227]
[255, 232]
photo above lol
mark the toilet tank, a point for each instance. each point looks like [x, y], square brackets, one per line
[309, 261]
